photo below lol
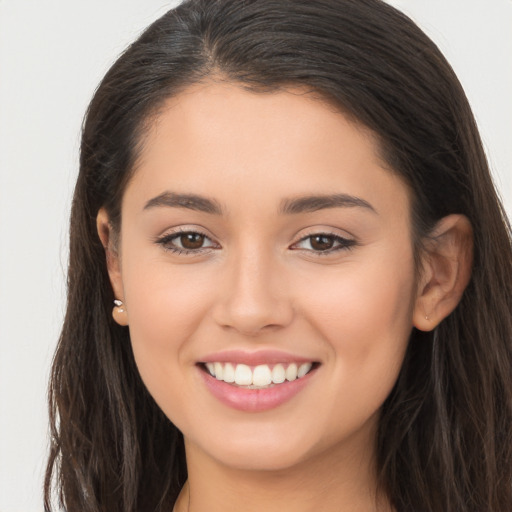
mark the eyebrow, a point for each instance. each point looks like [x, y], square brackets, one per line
[307, 204]
[189, 201]
[303, 204]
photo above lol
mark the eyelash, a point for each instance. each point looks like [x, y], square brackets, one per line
[167, 240]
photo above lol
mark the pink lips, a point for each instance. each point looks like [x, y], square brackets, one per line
[254, 400]
[254, 358]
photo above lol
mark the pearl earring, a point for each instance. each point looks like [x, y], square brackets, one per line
[119, 305]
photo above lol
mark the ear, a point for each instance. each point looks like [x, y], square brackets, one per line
[108, 240]
[447, 264]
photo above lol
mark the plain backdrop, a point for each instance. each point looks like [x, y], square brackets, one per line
[52, 55]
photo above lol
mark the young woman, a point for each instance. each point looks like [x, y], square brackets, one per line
[289, 280]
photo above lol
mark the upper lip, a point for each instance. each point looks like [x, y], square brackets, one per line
[254, 358]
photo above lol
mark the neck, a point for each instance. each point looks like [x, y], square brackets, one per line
[339, 479]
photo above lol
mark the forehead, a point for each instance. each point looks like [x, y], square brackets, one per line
[219, 138]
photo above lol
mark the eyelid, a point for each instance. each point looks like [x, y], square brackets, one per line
[323, 229]
[184, 228]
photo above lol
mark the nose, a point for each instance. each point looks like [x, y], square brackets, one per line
[254, 295]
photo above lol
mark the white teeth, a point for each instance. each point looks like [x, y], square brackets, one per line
[219, 370]
[303, 369]
[278, 374]
[229, 373]
[261, 376]
[291, 372]
[243, 375]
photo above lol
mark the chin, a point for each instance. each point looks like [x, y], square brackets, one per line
[256, 458]
[257, 449]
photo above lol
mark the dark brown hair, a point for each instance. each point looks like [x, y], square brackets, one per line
[445, 434]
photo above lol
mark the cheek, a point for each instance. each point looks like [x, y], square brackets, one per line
[364, 315]
[162, 297]
[162, 307]
[362, 298]
[165, 306]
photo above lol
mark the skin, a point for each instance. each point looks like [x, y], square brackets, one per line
[258, 282]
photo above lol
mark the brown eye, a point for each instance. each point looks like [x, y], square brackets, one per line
[187, 242]
[191, 241]
[324, 243]
[321, 242]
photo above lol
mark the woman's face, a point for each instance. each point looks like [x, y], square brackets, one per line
[260, 232]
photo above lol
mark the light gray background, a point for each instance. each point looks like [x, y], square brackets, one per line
[52, 55]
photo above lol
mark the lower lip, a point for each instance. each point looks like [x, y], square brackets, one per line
[255, 400]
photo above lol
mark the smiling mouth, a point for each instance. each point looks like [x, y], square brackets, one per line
[258, 377]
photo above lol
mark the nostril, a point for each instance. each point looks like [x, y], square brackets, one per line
[250, 308]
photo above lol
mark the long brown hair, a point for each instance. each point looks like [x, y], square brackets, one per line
[445, 434]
